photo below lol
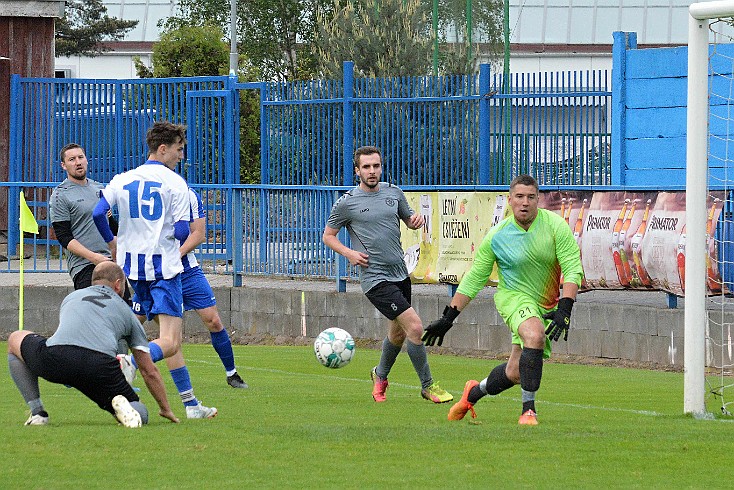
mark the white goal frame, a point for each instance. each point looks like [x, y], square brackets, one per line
[694, 354]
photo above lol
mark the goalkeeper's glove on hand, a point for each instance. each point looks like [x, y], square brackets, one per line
[437, 329]
[561, 320]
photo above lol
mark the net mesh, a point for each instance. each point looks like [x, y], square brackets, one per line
[720, 235]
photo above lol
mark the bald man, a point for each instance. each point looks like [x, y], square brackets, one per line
[81, 353]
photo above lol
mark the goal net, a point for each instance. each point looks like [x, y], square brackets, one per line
[709, 246]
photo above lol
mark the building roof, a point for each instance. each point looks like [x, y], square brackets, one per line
[540, 22]
[35, 8]
[594, 21]
[147, 12]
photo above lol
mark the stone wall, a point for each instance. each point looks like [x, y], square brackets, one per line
[608, 331]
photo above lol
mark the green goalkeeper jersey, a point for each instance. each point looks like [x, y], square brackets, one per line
[529, 262]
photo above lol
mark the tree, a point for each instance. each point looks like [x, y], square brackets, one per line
[389, 40]
[187, 52]
[85, 26]
[393, 37]
[275, 36]
[487, 16]
[200, 51]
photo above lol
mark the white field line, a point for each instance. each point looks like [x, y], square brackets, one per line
[414, 387]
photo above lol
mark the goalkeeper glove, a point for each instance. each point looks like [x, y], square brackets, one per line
[437, 329]
[560, 320]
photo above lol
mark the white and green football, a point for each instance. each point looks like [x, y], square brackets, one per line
[334, 347]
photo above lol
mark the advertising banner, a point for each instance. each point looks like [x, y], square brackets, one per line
[628, 240]
[456, 222]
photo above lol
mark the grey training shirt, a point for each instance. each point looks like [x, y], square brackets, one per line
[97, 318]
[75, 203]
[373, 221]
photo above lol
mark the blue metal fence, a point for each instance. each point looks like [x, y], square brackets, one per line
[453, 130]
[433, 131]
[109, 118]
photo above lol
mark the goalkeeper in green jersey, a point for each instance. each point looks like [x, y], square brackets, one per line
[532, 248]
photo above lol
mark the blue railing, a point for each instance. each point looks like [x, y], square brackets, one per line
[474, 131]
[453, 130]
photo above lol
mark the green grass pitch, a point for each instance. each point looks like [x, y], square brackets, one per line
[301, 425]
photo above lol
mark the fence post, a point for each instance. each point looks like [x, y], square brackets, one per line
[484, 89]
[348, 122]
[15, 164]
[348, 145]
[232, 140]
[264, 173]
[122, 163]
[622, 42]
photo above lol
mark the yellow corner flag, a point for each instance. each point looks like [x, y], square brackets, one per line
[27, 221]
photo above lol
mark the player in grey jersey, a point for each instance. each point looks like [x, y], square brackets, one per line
[81, 353]
[371, 212]
[71, 207]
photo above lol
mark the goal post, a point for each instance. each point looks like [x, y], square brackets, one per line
[697, 178]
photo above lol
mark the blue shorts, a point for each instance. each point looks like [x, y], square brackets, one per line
[197, 292]
[162, 296]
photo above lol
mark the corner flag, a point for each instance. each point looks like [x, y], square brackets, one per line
[27, 221]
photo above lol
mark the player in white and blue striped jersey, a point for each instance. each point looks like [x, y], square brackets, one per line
[153, 206]
[198, 294]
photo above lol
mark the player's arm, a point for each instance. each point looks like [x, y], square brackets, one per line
[411, 219]
[470, 285]
[569, 257]
[66, 238]
[476, 279]
[197, 224]
[414, 221]
[332, 241]
[154, 382]
[61, 223]
[99, 215]
[196, 237]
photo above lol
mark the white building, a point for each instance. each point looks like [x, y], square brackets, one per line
[546, 35]
[118, 63]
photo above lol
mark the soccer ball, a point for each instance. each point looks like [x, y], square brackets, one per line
[334, 347]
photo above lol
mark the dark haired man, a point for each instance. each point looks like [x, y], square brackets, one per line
[531, 249]
[70, 209]
[372, 212]
[153, 207]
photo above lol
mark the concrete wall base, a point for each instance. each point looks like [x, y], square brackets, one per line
[632, 333]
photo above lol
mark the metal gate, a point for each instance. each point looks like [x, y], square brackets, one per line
[211, 167]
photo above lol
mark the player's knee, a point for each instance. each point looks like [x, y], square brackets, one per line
[533, 335]
[14, 340]
[141, 409]
[513, 373]
[176, 344]
[169, 346]
[414, 333]
[214, 324]
[531, 368]
[396, 337]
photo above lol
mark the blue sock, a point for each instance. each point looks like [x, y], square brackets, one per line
[182, 380]
[156, 353]
[223, 346]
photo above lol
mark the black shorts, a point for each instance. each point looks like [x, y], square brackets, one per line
[390, 298]
[83, 279]
[95, 374]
